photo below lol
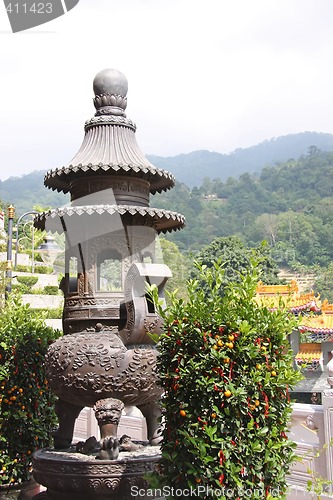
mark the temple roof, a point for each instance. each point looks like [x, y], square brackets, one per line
[265, 290]
[275, 296]
[318, 327]
[317, 324]
[295, 304]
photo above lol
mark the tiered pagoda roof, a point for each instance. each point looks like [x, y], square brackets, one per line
[110, 160]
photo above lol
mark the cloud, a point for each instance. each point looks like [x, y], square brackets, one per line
[216, 75]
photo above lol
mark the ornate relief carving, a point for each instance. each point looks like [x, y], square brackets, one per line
[93, 354]
[101, 364]
[67, 476]
[91, 301]
[75, 314]
[110, 100]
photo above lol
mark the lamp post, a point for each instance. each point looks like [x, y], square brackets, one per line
[11, 213]
[31, 212]
[49, 250]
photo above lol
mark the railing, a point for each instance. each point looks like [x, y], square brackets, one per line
[307, 431]
[311, 429]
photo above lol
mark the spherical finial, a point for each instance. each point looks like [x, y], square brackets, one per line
[110, 81]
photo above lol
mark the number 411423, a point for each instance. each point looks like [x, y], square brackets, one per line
[35, 8]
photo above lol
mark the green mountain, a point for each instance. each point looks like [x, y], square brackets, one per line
[290, 205]
[27, 191]
[191, 169]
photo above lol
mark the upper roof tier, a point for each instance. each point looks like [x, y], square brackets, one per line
[109, 146]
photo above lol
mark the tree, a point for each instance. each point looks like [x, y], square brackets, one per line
[267, 225]
[324, 283]
[226, 368]
[26, 401]
[235, 258]
[178, 264]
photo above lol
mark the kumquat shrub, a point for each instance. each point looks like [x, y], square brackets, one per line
[26, 402]
[226, 368]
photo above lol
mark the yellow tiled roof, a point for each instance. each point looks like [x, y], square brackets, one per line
[294, 302]
[317, 324]
[308, 356]
[277, 289]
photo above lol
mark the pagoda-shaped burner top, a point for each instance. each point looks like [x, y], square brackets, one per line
[109, 147]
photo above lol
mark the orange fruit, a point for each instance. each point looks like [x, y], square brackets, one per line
[227, 393]
[182, 413]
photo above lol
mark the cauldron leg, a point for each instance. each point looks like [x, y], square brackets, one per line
[152, 413]
[108, 412]
[67, 413]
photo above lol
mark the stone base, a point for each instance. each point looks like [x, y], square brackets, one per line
[68, 475]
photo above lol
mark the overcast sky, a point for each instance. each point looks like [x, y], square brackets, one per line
[213, 74]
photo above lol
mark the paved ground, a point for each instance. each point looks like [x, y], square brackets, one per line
[28, 491]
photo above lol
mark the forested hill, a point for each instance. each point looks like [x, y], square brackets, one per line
[193, 167]
[26, 191]
[29, 190]
[289, 205]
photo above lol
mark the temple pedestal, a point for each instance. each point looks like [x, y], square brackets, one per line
[69, 475]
